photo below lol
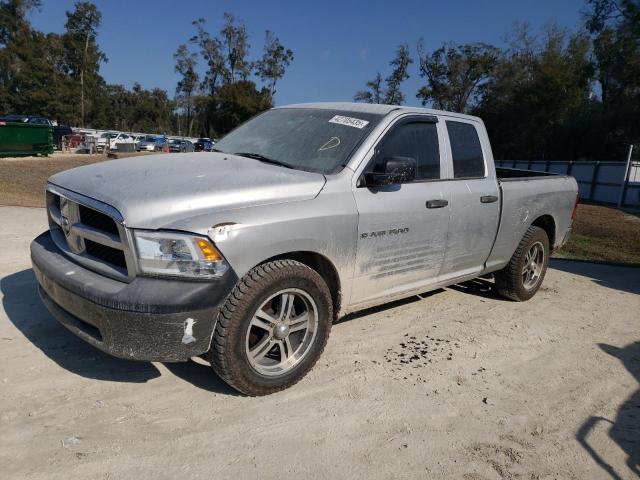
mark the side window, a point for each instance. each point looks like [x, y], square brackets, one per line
[417, 140]
[466, 151]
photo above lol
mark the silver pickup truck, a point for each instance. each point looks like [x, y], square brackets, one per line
[246, 255]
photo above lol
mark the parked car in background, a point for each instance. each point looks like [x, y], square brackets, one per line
[161, 143]
[110, 140]
[119, 139]
[149, 143]
[59, 132]
[203, 145]
[307, 213]
[103, 141]
[32, 119]
[178, 145]
[136, 140]
[146, 143]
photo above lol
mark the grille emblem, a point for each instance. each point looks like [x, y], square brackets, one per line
[65, 224]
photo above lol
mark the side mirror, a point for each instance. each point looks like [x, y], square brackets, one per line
[396, 170]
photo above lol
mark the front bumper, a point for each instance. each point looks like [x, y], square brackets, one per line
[149, 319]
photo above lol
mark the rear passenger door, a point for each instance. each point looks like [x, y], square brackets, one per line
[474, 200]
[402, 228]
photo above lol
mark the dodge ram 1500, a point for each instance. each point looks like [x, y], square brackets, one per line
[247, 254]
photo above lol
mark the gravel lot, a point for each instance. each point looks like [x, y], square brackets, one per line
[456, 384]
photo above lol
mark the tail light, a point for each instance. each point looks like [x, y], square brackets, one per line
[574, 214]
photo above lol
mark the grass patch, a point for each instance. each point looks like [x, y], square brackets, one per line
[604, 234]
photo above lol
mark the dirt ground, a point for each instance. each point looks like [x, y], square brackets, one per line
[23, 179]
[458, 384]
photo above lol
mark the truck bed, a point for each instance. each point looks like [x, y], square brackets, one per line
[526, 196]
[509, 174]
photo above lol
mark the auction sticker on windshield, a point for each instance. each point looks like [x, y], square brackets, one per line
[349, 121]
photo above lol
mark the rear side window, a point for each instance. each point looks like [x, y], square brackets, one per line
[418, 140]
[466, 151]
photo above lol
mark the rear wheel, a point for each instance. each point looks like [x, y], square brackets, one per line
[272, 328]
[522, 277]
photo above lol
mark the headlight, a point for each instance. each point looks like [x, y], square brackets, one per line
[178, 254]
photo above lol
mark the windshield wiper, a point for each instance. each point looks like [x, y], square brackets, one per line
[262, 158]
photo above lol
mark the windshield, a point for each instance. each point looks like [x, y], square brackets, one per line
[203, 140]
[310, 139]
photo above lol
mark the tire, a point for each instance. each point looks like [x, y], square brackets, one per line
[232, 349]
[511, 281]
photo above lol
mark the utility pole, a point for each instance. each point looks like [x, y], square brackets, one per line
[625, 179]
[84, 62]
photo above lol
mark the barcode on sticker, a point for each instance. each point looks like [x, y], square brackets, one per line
[349, 121]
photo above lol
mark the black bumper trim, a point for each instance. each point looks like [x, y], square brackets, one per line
[148, 319]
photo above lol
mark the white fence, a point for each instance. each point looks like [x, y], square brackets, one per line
[604, 182]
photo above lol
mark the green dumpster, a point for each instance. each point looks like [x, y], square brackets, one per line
[23, 139]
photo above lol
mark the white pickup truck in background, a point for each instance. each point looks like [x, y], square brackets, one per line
[110, 140]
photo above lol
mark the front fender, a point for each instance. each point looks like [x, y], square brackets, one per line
[326, 225]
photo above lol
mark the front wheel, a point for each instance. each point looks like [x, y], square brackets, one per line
[522, 277]
[272, 328]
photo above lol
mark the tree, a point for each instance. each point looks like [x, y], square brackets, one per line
[400, 64]
[228, 96]
[239, 102]
[537, 93]
[392, 95]
[82, 51]
[32, 76]
[373, 92]
[614, 29]
[211, 52]
[136, 110]
[13, 14]
[186, 68]
[117, 107]
[16, 42]
[235, 41]
[275, 59]
[151, 110]
[455, 74]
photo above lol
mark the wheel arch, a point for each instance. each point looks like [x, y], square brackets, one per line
[323, 266]
[548, 224]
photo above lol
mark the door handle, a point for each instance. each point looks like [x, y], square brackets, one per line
[488, 199]
[437, 203]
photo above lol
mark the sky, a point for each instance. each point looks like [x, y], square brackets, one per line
[338, 45]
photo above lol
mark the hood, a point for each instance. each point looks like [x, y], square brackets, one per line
[158, 190]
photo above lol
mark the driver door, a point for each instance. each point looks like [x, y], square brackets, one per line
[402, 228]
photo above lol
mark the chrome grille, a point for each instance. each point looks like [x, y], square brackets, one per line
[91, 233]
[98, 220]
